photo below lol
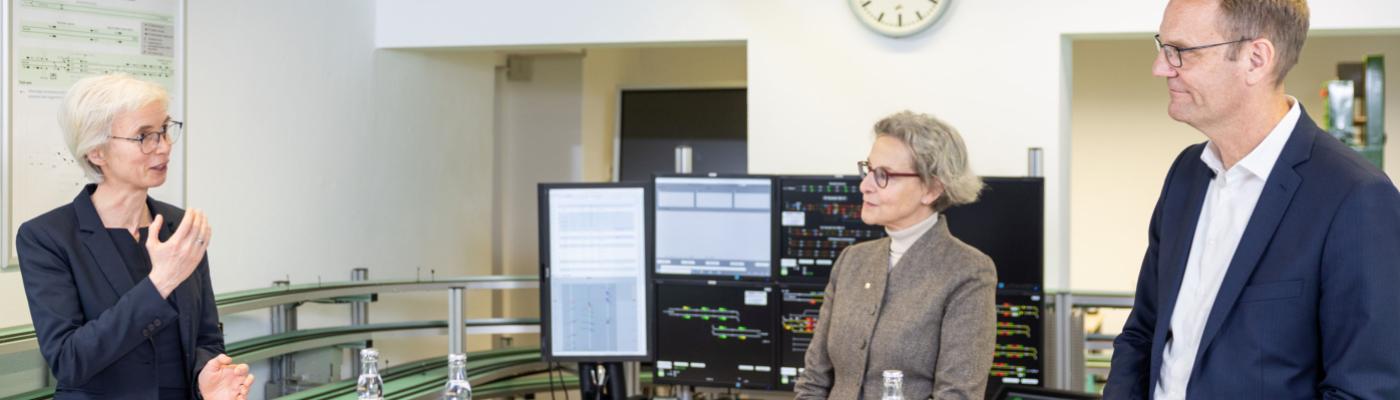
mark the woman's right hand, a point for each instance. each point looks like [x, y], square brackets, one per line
[173, 260]
[221, 379]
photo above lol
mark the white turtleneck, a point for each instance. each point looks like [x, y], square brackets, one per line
[901, 240]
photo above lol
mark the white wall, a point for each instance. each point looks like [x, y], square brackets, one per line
[817, 80]
[314, 153]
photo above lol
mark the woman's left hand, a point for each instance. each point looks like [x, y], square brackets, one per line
[221, 379]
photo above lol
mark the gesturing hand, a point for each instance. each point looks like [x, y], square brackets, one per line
[173, 260]
[221, 379]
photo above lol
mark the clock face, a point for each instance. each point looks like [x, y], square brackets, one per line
[898, 18]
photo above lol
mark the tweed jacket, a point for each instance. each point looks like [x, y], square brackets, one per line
[932, 316]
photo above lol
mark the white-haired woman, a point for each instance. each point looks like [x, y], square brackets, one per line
[118, 292]
[919, 301]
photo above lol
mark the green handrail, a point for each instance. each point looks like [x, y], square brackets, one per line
[22, 337]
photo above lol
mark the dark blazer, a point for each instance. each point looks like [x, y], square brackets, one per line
[933, 317]
[1309, 307]
[93, 322]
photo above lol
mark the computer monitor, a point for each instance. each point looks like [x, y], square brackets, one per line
[714, 227]
[594, 271]
[717, 333]
[799, 308]
[1008, 224]
[820, 217]
[1019, 355]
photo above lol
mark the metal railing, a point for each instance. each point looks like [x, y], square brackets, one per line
[1067, 341]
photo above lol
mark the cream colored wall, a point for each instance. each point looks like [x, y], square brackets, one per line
[603, 71]
[12, 296]
[1318, 64]
[1122, 143]
[607, 70]
[538, 131]
[559, 126]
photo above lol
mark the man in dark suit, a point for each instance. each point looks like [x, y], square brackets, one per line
[1274, 250]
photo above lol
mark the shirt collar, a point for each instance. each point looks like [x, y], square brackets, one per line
[1260, 161]
[904, 238]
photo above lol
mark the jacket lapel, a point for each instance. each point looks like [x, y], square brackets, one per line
[1178, 250]
[99, 243]
[926, 246]
[875, 278]
[1175, 250]
[1268, 212]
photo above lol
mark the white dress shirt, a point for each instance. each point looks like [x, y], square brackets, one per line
[1229, 202]
[901, 240]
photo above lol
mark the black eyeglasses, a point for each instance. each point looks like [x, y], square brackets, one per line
[1173, 53]
[882, 175]
[170, 132]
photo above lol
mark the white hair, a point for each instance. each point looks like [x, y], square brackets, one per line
[939, 155]
[93, 103]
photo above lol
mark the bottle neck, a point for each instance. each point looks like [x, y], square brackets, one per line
[370, 367]
[894, 387]
[457, 372]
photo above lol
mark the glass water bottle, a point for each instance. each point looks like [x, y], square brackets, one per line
[894, 385]
[370, 386]
[457, 386]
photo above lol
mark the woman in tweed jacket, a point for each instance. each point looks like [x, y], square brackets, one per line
[919, 301]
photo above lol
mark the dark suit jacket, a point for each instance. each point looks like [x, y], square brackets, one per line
[933, 317]
[1310, 304]
[93, 322]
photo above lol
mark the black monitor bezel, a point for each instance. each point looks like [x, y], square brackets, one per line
[546, 351]
[1039, 225]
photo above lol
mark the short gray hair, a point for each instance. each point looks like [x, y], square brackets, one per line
[939, 155]
[90, 106]
[1283, 22]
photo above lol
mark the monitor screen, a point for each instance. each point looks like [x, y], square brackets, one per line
[593, 266]
[714, 226]
[1008, 224]
[716, 334]
[799, 307]
[820, 218]
[1018, 357]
